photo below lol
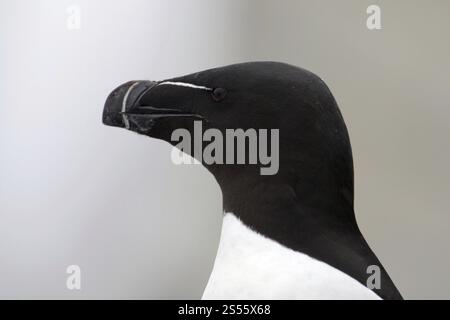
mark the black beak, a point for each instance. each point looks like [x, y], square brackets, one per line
[122, 100]
[122, 108]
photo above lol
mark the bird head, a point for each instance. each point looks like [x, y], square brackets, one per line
[314, 149]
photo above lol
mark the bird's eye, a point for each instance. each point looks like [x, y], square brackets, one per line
[218, 94]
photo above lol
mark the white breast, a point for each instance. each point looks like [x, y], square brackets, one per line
[251, 266]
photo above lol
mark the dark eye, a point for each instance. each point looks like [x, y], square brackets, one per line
[218, 94]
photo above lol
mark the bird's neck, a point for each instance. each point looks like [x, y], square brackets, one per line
[300, 222]
[279, 212]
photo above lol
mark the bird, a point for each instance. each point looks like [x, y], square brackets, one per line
[288, 235]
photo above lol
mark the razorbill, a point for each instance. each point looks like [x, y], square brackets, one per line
[289, 235]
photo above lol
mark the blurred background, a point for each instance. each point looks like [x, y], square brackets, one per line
[75, 192]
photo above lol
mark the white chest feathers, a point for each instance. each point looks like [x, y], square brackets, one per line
[251, 266]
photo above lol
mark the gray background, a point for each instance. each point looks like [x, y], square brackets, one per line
[75, 192]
